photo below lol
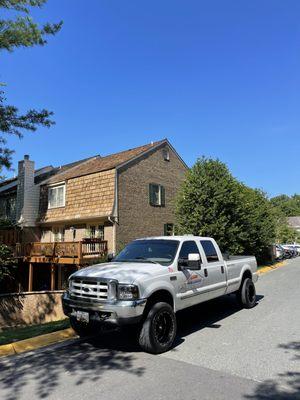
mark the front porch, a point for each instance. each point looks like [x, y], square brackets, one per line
[50, 263]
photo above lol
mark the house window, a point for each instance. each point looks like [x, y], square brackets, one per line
[169, 229]
[58, 234]
[157, 195]
[95, 231]
[166, 154]
[56, 196]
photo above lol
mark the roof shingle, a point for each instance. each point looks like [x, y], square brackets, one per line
[99, 164]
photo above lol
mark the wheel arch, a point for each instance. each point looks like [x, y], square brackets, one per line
[160, 295]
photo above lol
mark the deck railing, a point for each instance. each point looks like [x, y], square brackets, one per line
[85, 249]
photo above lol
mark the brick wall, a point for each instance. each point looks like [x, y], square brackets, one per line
[86, 196]
[136, 217]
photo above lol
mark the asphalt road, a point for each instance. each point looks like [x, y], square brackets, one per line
[222, 352]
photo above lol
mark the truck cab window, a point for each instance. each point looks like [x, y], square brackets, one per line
[209, 250]
[189, 247]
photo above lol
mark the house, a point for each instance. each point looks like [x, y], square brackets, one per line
[294, 222]
[74, 215]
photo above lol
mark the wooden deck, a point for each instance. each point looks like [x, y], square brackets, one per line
[82, 253]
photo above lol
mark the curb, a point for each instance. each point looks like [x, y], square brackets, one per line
[36, 342]
[264, 270]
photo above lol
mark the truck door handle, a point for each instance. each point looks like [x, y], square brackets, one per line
[205, 272]
[222, 269]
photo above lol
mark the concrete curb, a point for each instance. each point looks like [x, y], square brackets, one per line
[266, 269]
[37, 342]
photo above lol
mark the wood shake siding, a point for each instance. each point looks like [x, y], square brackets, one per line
[86, 196]
[137, 218]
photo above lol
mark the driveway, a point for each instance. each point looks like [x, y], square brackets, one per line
[222, 352]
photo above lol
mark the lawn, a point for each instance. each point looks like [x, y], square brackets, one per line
[14, 335]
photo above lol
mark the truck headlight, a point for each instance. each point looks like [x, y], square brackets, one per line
[128, 292]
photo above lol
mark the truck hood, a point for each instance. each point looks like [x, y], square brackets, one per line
[124, 272]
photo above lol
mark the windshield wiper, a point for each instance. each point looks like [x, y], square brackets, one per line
[146, 259]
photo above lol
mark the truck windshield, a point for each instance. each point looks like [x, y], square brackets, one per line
[156, 251]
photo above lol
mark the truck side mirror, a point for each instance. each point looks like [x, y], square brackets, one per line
[110, 257]
[194, 261]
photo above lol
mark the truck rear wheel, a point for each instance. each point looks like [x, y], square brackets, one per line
[159, 329]
[246, 295]
[82, 329]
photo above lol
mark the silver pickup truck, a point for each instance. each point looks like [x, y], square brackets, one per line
[152, 279]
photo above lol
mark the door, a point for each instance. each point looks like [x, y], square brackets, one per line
[214, 270]
[189, 282]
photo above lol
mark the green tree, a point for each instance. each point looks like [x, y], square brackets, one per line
[15, 32]
[288, 205]
[7, 263]
[213, 203]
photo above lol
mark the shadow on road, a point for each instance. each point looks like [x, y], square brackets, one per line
[271, 390]
[207, 315]
[84, 361]
[90, 360]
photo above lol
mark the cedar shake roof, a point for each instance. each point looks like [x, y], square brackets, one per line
[98, 164]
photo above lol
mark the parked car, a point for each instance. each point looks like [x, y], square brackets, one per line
[293, 248]
[280, 253]
[152, 279]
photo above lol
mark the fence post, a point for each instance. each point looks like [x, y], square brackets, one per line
[79, 251]
[52, 277]
[30, 277]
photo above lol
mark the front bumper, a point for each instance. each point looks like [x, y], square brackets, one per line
[111, 312]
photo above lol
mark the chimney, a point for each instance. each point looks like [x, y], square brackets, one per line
[25, 191]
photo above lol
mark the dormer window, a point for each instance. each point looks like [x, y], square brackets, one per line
[56, 196]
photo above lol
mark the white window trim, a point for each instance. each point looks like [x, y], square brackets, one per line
[63, 185]
[96, 226]
[159, 194]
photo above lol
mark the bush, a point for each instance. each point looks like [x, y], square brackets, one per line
[213, 203]
[8, 263]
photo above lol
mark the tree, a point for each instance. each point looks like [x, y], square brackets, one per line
[213, 203]
[289, 206]
[7, 263]
[21, 31]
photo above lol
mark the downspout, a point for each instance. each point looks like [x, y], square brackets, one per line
[113, 219]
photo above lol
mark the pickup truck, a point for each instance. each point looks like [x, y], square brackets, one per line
[150, 280]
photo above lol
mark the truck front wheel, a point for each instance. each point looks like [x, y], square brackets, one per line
[246, 295]
[159, 329]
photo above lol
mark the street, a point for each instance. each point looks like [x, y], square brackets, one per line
[222, 352]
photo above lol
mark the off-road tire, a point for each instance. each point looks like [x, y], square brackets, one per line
[159, 329]
[246, 295]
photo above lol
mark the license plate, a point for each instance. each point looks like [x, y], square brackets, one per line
[82, 316]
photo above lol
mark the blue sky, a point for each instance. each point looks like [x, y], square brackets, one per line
[217, 78]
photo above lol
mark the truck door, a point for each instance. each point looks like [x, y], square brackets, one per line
[189, 282]
[214, 270]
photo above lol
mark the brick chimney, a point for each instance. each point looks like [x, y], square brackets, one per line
[26, 193]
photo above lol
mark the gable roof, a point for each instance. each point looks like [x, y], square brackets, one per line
[42, 174]
[99, 164]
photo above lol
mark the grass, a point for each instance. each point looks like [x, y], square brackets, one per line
[16, 334]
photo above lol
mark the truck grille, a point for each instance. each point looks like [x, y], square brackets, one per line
[88, 289]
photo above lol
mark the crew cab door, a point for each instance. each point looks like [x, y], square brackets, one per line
[190, 282]
[214, 269]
